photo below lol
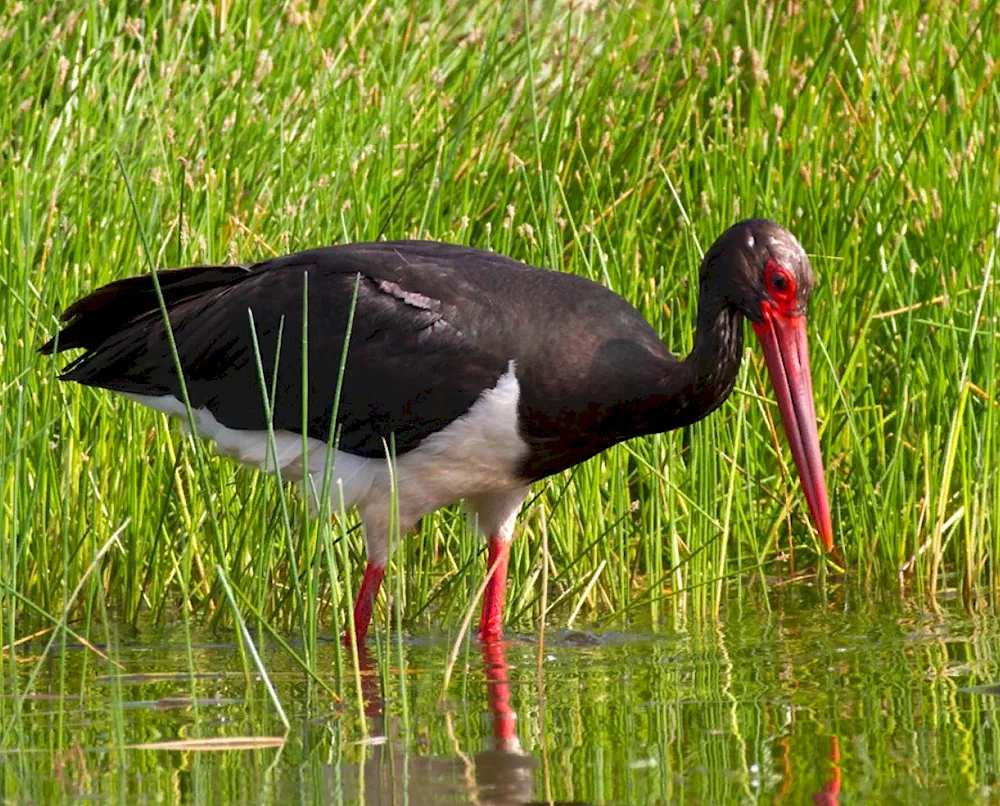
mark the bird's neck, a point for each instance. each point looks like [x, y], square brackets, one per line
[708, 374]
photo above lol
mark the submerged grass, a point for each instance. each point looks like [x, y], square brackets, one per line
[610, 140]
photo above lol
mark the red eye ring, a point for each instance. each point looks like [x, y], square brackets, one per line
[780, 284]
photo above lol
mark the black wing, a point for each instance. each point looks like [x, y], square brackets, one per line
[417, 358]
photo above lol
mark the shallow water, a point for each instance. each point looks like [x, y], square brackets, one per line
[821, 701]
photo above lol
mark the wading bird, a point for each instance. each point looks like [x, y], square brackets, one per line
[482, 374]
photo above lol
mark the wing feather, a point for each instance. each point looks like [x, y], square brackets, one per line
[410, 369]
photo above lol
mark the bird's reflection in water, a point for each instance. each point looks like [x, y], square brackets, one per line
[829, 795]
[504, 771]
[501, 774]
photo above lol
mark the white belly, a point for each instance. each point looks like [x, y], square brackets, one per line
[477, 456]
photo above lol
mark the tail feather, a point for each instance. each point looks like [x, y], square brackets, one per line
[94, 318]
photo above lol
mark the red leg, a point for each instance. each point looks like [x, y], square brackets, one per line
[365, 602]
[491, 624]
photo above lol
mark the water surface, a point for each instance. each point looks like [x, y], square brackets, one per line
[820, 700]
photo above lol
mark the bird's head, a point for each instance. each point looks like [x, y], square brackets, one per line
[760, 268]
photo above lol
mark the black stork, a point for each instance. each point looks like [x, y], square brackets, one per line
[486, 374]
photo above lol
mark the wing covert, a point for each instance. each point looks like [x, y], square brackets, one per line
[410, 367]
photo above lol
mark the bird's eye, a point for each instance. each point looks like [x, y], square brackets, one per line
[780, 284]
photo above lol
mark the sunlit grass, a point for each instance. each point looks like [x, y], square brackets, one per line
[612, 141]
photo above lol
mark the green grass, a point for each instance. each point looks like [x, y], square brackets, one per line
[613, 141]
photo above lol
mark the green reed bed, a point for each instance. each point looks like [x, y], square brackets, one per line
[610, 140]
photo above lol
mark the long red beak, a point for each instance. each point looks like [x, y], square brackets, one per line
[787, 354]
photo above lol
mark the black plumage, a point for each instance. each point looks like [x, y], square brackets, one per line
[434, 325]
